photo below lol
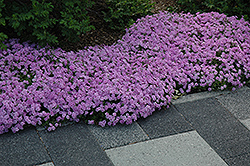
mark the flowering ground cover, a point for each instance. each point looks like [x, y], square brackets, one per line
[132, 78]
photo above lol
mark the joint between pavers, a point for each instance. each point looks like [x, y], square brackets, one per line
[45, 146]
[184, 118]
[143, 132]
[230, 113]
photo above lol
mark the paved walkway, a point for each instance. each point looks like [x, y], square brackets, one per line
[208, 128]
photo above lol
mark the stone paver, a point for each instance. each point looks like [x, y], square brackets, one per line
[47, 164]
[237, 103]
[164, 122]
[118, 135]
[246, 123]
[74, 145]
[22, 148]
[186, 149]
[243, 160]
[223, 132]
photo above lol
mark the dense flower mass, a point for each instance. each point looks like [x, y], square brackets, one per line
[125, 81]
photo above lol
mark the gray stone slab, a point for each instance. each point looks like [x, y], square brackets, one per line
[74, 145]
[231, 148]
[119, 135]
[164, 122]
[47, 164]
[199, 96]
[243, 160]
[219, 131]
[186, 149]
[22, 148]
[217, 126]
[246, 123]
[237, 102]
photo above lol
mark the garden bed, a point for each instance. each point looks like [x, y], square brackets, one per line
[125, 81]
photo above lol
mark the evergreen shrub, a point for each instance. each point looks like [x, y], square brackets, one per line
[237, 8]
[122, 13]
[43, 21]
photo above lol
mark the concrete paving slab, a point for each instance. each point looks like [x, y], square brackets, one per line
[198, 96]
[237, 102]
[22, 148]
[74, 145]
[219, 131]
[47, 164]
[243, 160]
[186, 149]
[231, 148]
[119, 135]
[204, 110]
[164, 122]
[246, 123]
[217, 126]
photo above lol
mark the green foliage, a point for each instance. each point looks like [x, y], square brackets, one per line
[3, 36]
[229, 7]
[47, 22]
[72, 19]
[61, 22]
[122, 13]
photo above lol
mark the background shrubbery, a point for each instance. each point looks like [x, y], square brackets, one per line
[229, 7]
[60, 22]
[2, 23]
[122, 13]
[45, 22]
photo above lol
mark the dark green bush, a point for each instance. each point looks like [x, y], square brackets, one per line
[3, 36]
[45, 21]
[229, 7]
[122, 13]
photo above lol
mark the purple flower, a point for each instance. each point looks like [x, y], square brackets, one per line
[128, 79]
[102, 123]
[91, 122]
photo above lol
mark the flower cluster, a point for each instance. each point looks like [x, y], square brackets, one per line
[130, 79]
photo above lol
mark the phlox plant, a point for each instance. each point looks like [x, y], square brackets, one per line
[138, 74]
